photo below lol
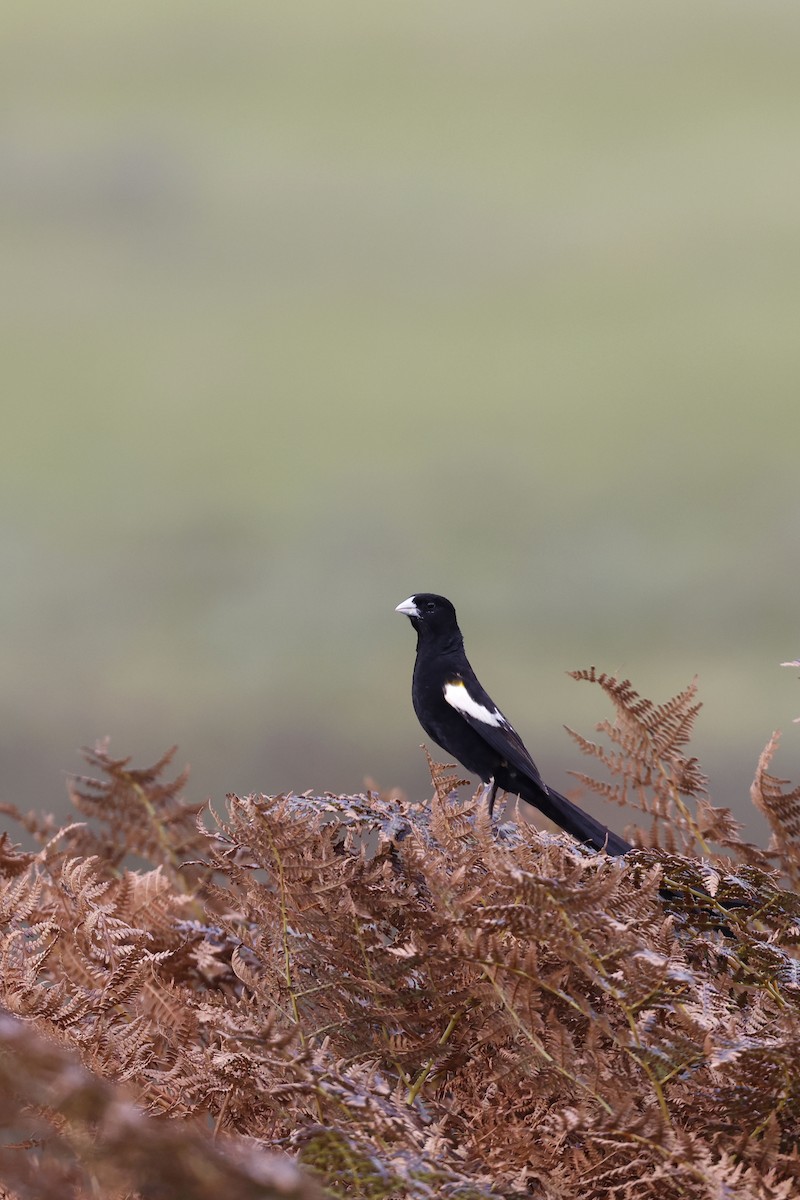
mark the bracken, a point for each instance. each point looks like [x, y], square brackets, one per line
[358, 995]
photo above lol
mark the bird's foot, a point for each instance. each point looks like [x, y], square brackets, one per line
[490, 795]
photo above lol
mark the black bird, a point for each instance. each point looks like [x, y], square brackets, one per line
[461, 717]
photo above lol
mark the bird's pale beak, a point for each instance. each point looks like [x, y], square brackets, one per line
[408, 608]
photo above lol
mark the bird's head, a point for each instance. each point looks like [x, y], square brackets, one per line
[431, 615]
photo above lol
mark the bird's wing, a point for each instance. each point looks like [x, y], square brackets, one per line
[478, 709]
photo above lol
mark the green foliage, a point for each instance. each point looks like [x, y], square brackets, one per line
[403, 999]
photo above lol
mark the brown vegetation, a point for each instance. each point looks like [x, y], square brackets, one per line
[357, 995]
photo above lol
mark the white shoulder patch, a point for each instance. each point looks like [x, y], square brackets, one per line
[458, 697]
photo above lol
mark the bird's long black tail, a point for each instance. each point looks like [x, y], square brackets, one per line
[574, 820]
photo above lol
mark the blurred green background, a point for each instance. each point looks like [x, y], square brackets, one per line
[307, 307]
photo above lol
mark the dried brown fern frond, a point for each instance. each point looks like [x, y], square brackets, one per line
[782, 810]
[719, 827]
[649, 769]
[40, 826]
[13, 860]
[137, 810]
[416, 1003]
[444, 777]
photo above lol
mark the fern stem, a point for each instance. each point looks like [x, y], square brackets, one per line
[681, 806]
[419, 1082]
[161, 833]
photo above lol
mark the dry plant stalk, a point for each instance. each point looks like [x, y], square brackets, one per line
[401, 1000]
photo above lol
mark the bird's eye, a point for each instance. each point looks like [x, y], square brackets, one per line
[430, 606]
